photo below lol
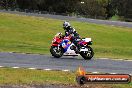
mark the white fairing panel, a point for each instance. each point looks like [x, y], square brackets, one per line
[88, 39]
[84, 49]
[69, 51]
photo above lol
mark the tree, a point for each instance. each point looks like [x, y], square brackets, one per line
[93, 8]
[7, 4]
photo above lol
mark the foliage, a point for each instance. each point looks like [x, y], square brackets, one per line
[103, 9]
[6, 4]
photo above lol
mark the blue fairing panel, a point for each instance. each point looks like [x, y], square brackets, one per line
[65, 44]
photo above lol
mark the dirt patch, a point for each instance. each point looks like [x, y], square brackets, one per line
[56, 86]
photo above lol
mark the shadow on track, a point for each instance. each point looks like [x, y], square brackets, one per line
[71, 58]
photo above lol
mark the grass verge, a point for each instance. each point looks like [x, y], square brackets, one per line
[25, 76]
[9, 76]
[34, 34]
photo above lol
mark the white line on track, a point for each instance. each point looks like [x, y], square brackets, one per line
[130, 74]
[47, 69]
[113, 73]
[32, 68]
[65, 70]
[103, 58]
[117, 59]
[1, 66]
[95, 72]
[15, 67]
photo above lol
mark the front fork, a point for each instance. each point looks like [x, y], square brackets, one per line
[58, 47]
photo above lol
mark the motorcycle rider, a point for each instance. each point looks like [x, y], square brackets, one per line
[71, 31]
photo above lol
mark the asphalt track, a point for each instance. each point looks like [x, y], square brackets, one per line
[69, 18]
[45, 62]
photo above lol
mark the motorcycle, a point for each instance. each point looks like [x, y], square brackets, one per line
[62, 46]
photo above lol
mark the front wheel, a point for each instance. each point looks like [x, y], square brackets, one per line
[56, 52]
[87, 55]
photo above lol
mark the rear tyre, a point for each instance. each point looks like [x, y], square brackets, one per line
[56, 52]
[87, 55]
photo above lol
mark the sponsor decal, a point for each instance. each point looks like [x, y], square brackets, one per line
[83, 78]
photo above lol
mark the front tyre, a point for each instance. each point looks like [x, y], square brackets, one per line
[87, 55]
[56, 52]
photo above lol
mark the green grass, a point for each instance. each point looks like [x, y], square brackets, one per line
[34, 35]
[10, 76]
[25, 76]
[115, 18]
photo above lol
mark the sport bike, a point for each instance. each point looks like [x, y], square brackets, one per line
[62, 46]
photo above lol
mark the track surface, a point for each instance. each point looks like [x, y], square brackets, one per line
[64, 63]
[60, 17]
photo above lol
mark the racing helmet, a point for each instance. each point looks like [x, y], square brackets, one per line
[66, 25]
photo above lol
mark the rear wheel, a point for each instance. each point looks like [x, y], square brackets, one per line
[56, 52]
[87, 55]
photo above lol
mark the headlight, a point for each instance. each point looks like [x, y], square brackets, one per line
[54, 40]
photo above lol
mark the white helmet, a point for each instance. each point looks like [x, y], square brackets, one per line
[66, 24]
